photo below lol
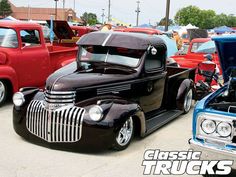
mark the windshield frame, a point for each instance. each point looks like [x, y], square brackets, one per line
[18, 42]
[118, 64]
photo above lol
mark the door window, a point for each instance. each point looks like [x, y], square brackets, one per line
[30, 38]
[153, 62]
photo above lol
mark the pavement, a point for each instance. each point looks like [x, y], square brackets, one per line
[19, 158]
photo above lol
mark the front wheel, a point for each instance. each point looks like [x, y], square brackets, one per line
[3, 92]
[124, 135]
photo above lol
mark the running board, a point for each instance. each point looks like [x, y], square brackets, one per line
[160, 120]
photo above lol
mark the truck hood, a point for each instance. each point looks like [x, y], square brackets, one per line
[226, 47]
[69, 78]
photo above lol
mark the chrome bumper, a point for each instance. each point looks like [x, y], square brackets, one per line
[212, 153]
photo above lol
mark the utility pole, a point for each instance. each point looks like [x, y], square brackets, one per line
[103, 15]
[137, 11]
[109, 10]
[74, 5]
[64, 4]
[64, 14]
[167, 14]
[28, 12]
[56, 9]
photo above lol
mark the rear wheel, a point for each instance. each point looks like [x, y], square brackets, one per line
[124, 135]
[188, 100]
[185, 102]
[3, 92]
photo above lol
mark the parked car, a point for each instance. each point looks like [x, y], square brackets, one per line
[149, 31]
[118, 85]
[25, 58]
[79, 31]
[214, 116]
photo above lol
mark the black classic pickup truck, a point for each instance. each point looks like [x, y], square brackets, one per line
[119, 85]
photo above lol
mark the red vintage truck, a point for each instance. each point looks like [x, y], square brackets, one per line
[26, 60]
[192, 58]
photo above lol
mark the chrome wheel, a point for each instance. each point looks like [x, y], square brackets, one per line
[126, 132]
[2, 92]
[188, 100]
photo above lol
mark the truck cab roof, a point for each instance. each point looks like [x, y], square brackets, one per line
[17, 24]
[126, 40]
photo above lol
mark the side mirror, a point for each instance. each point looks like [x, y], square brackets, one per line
[208, 57]
[151, 49]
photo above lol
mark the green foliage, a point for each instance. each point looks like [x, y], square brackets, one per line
[89, 18]
[5, 8]
[163, 22]
[205, 19]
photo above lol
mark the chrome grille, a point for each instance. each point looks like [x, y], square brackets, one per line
[55, 97]
[62, 125]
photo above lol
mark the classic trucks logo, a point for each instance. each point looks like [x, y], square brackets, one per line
[158, 162]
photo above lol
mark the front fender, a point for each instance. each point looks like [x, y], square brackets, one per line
[116, 111]
[118, 114]
[9, 74]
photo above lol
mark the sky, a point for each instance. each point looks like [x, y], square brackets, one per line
[124, 10]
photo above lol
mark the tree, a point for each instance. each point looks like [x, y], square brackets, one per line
[188, 15]
[163, 22]
[205, 19]
[89, 18]
[5, 8]
[231, 20]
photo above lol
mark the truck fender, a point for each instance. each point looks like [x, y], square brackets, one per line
[184, 87]
[118, 113]
[8, 73]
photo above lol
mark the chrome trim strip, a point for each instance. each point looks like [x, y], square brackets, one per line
[113, 89]
[60, 92]
[105, 41]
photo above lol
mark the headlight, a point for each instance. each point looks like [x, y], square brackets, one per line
[208, 126]
[224, 129]
[18, 99]
[96, 113]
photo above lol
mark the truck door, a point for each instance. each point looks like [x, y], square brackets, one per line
[154, 84]
[33, 62]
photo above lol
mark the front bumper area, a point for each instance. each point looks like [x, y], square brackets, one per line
[213, 153]
[94, 137]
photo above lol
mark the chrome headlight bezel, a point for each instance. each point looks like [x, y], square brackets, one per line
[205, 124]
[215, 136]
[96, 113]
[18, 99]
[224, 124]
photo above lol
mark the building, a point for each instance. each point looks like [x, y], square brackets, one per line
[42, 14]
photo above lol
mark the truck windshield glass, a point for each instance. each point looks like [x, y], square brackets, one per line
[8, 38]
[113, 55]
[195, 46]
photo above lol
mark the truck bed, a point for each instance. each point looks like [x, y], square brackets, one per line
[61, 55]
[176, 72]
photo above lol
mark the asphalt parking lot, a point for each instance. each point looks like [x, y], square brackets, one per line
[20, 158]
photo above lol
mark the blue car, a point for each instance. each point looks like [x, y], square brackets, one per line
[214, 118]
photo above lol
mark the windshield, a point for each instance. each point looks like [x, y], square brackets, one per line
[195, 46]
[113, 55]
[8, 38]
[207, 47]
